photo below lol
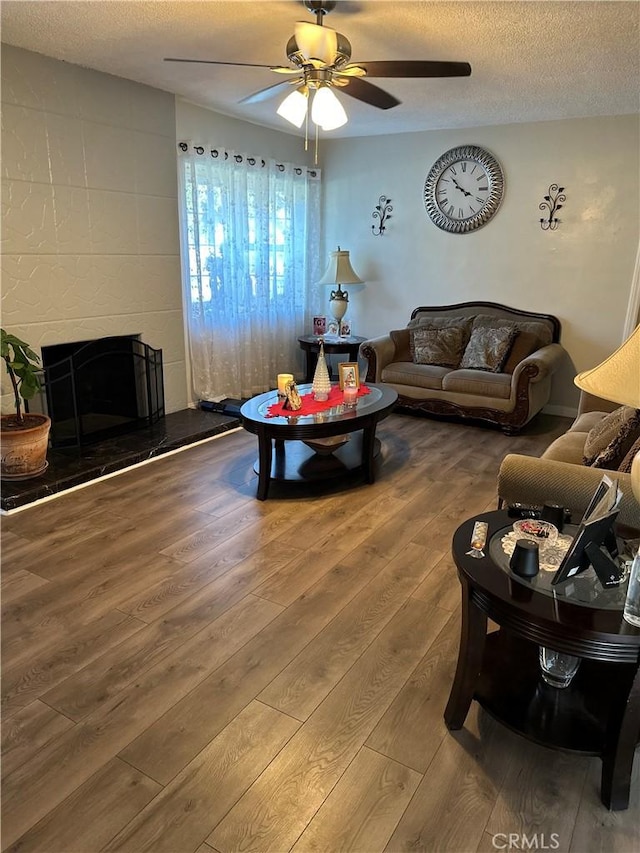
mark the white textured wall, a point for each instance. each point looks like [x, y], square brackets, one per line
[582, 272]
[89, 213]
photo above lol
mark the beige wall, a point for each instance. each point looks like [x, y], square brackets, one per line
[89, 213]
[582, 272]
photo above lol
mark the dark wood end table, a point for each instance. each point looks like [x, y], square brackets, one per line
[311, 346]
[297, 461]
[599, 713]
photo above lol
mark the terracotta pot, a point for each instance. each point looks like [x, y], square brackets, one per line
[24, 448]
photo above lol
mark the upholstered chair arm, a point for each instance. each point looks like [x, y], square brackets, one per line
[540, 364]
[531, 480]
[379, 352]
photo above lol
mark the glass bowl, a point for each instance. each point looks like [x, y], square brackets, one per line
[536, 530]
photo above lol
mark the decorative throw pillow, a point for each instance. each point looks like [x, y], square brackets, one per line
[542, 331]
[424, 321]
[441, 347]
[611, 439]
[627, 462]
[488, 349]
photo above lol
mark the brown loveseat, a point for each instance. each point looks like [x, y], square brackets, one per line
[508, 394]
[559, 475]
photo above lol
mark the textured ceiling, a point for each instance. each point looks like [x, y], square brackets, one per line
[531, 61]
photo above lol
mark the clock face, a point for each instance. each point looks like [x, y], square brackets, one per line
[464, 189]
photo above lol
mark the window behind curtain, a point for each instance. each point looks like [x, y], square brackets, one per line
[250, 233]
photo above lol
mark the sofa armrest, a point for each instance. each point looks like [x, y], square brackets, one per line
[540, 364]
[379, 352]
[532, 480]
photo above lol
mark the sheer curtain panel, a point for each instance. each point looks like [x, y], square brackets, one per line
[250, 236]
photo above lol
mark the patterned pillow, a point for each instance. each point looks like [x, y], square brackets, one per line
[424, 321]
[441, 347]
[488, 349]
[611, 438]
[627, 462]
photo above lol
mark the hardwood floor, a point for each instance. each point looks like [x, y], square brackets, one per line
[187, 669]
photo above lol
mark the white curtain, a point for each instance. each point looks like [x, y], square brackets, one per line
[250, 232]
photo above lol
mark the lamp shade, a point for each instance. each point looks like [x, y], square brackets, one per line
[326, 109]
[294, 106]
[618, 377]
[340, 270]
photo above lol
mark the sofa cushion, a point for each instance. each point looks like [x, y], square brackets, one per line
[524, 345]
[488, 349]
[567, 448]
[586, 422]
[627, 462]
[443, 347]
[611, 439]
[402, 341]
[480, 383]
[542, 332]
[419, 375]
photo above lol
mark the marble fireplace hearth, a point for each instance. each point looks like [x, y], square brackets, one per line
[69, 467]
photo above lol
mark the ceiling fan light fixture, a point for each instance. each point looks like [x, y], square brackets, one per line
[294, 106]
[326, 109]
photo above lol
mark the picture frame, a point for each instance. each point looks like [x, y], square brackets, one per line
[349, 374]
[345, 329]
[333, 328]
[319, 325]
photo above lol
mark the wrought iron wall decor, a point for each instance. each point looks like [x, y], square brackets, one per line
[552, 203]
[383, 213]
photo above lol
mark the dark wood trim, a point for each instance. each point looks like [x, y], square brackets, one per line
[493, 306]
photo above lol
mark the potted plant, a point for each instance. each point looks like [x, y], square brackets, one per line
[24, 435]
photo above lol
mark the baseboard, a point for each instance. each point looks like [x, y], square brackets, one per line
[561, 411]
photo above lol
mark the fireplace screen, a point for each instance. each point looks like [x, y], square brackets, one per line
[99, 389]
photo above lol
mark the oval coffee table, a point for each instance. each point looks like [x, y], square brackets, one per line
[297, 462]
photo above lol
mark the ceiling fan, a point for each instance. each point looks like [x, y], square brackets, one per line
[320, 60]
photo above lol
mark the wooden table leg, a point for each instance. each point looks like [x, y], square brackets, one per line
[368, 448]
[619, 750]
[472, 641]
[264, 466]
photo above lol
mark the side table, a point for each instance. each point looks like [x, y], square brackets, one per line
[311, 346]
[599, 712]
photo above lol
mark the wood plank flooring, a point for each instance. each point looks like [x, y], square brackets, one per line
[189, 670]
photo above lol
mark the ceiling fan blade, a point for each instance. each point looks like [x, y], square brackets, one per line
[367, 92]
[269, 92]
[415, 68]
[279, 68]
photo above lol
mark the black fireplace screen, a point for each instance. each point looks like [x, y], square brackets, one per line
[99, 389]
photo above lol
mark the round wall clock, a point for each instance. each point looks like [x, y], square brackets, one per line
[463, 189]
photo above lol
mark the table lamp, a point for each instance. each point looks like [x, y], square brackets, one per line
[339, 272]
[618, 379]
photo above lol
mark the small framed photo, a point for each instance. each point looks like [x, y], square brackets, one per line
[345, 329]
[319, 325]
[349, 374]
[333, 328]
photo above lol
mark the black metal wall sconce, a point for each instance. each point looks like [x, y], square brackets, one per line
[383, 213]
[552, 203]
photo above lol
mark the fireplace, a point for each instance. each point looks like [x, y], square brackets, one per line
[99, 389]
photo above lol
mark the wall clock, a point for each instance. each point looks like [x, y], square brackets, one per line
[463, 189]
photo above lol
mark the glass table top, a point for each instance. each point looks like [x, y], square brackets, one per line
[584, 589]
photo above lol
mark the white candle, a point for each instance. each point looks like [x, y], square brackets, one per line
[350, 394]
[283, 378]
